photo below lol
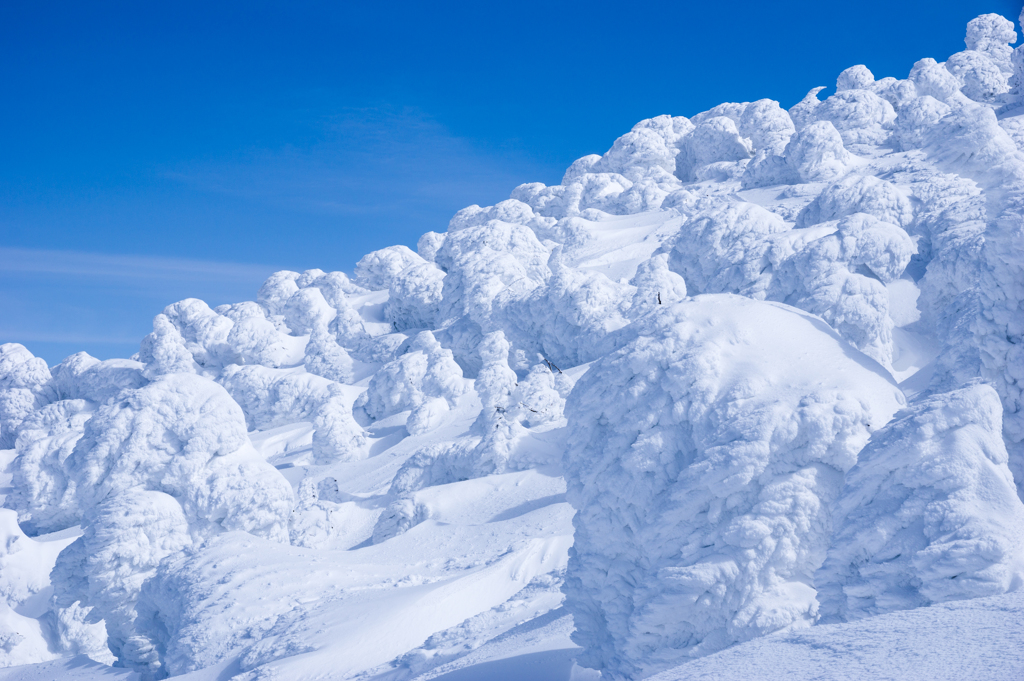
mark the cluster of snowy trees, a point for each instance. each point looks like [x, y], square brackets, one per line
[778, 356]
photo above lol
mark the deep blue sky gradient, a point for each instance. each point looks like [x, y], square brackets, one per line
[142, 141]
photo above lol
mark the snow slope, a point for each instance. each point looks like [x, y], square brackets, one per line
[744, 390]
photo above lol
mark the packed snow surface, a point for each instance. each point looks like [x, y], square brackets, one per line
[976, 639]
[742, 397]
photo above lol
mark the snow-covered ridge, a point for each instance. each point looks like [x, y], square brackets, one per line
[746, 372]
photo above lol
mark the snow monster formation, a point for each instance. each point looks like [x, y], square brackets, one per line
[750, 370]
[705, 456]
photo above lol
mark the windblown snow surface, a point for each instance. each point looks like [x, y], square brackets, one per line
[741, 398]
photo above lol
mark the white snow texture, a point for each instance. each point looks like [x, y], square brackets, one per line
[746, 373]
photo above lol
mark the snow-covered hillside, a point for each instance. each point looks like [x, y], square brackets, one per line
[752, 374]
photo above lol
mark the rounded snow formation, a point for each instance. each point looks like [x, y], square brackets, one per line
[569, 319]
[426, 371]
[23, 378]
[855, 78]
[376, 270]
[414, 297]
[858, 194]
[722, 249]
[82, 377]
[841, 276]
[704, 456]
[326, 357]
[182, 435]
[166, 465]
[121, 548]
[40, 491]
[992, 35]
[815, 154]
[981, 78]
[929, 514]
[917, 118]
[860, 116]
[715, 140]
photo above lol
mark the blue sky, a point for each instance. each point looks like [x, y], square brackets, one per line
[156, 151]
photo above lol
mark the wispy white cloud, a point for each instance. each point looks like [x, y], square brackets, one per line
[36, 336]
[132, 267]
[59, 302]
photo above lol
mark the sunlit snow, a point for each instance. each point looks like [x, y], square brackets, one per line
[741, 398]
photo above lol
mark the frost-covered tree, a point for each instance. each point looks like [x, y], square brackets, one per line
[703, 459]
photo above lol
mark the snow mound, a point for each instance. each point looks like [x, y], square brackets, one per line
[929, 513]
[23, 378]
[168, 465]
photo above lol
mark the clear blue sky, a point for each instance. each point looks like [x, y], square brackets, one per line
[143, 141]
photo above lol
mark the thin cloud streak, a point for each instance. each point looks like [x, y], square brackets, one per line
[134, 267]
[59, 302]
[35, 336]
